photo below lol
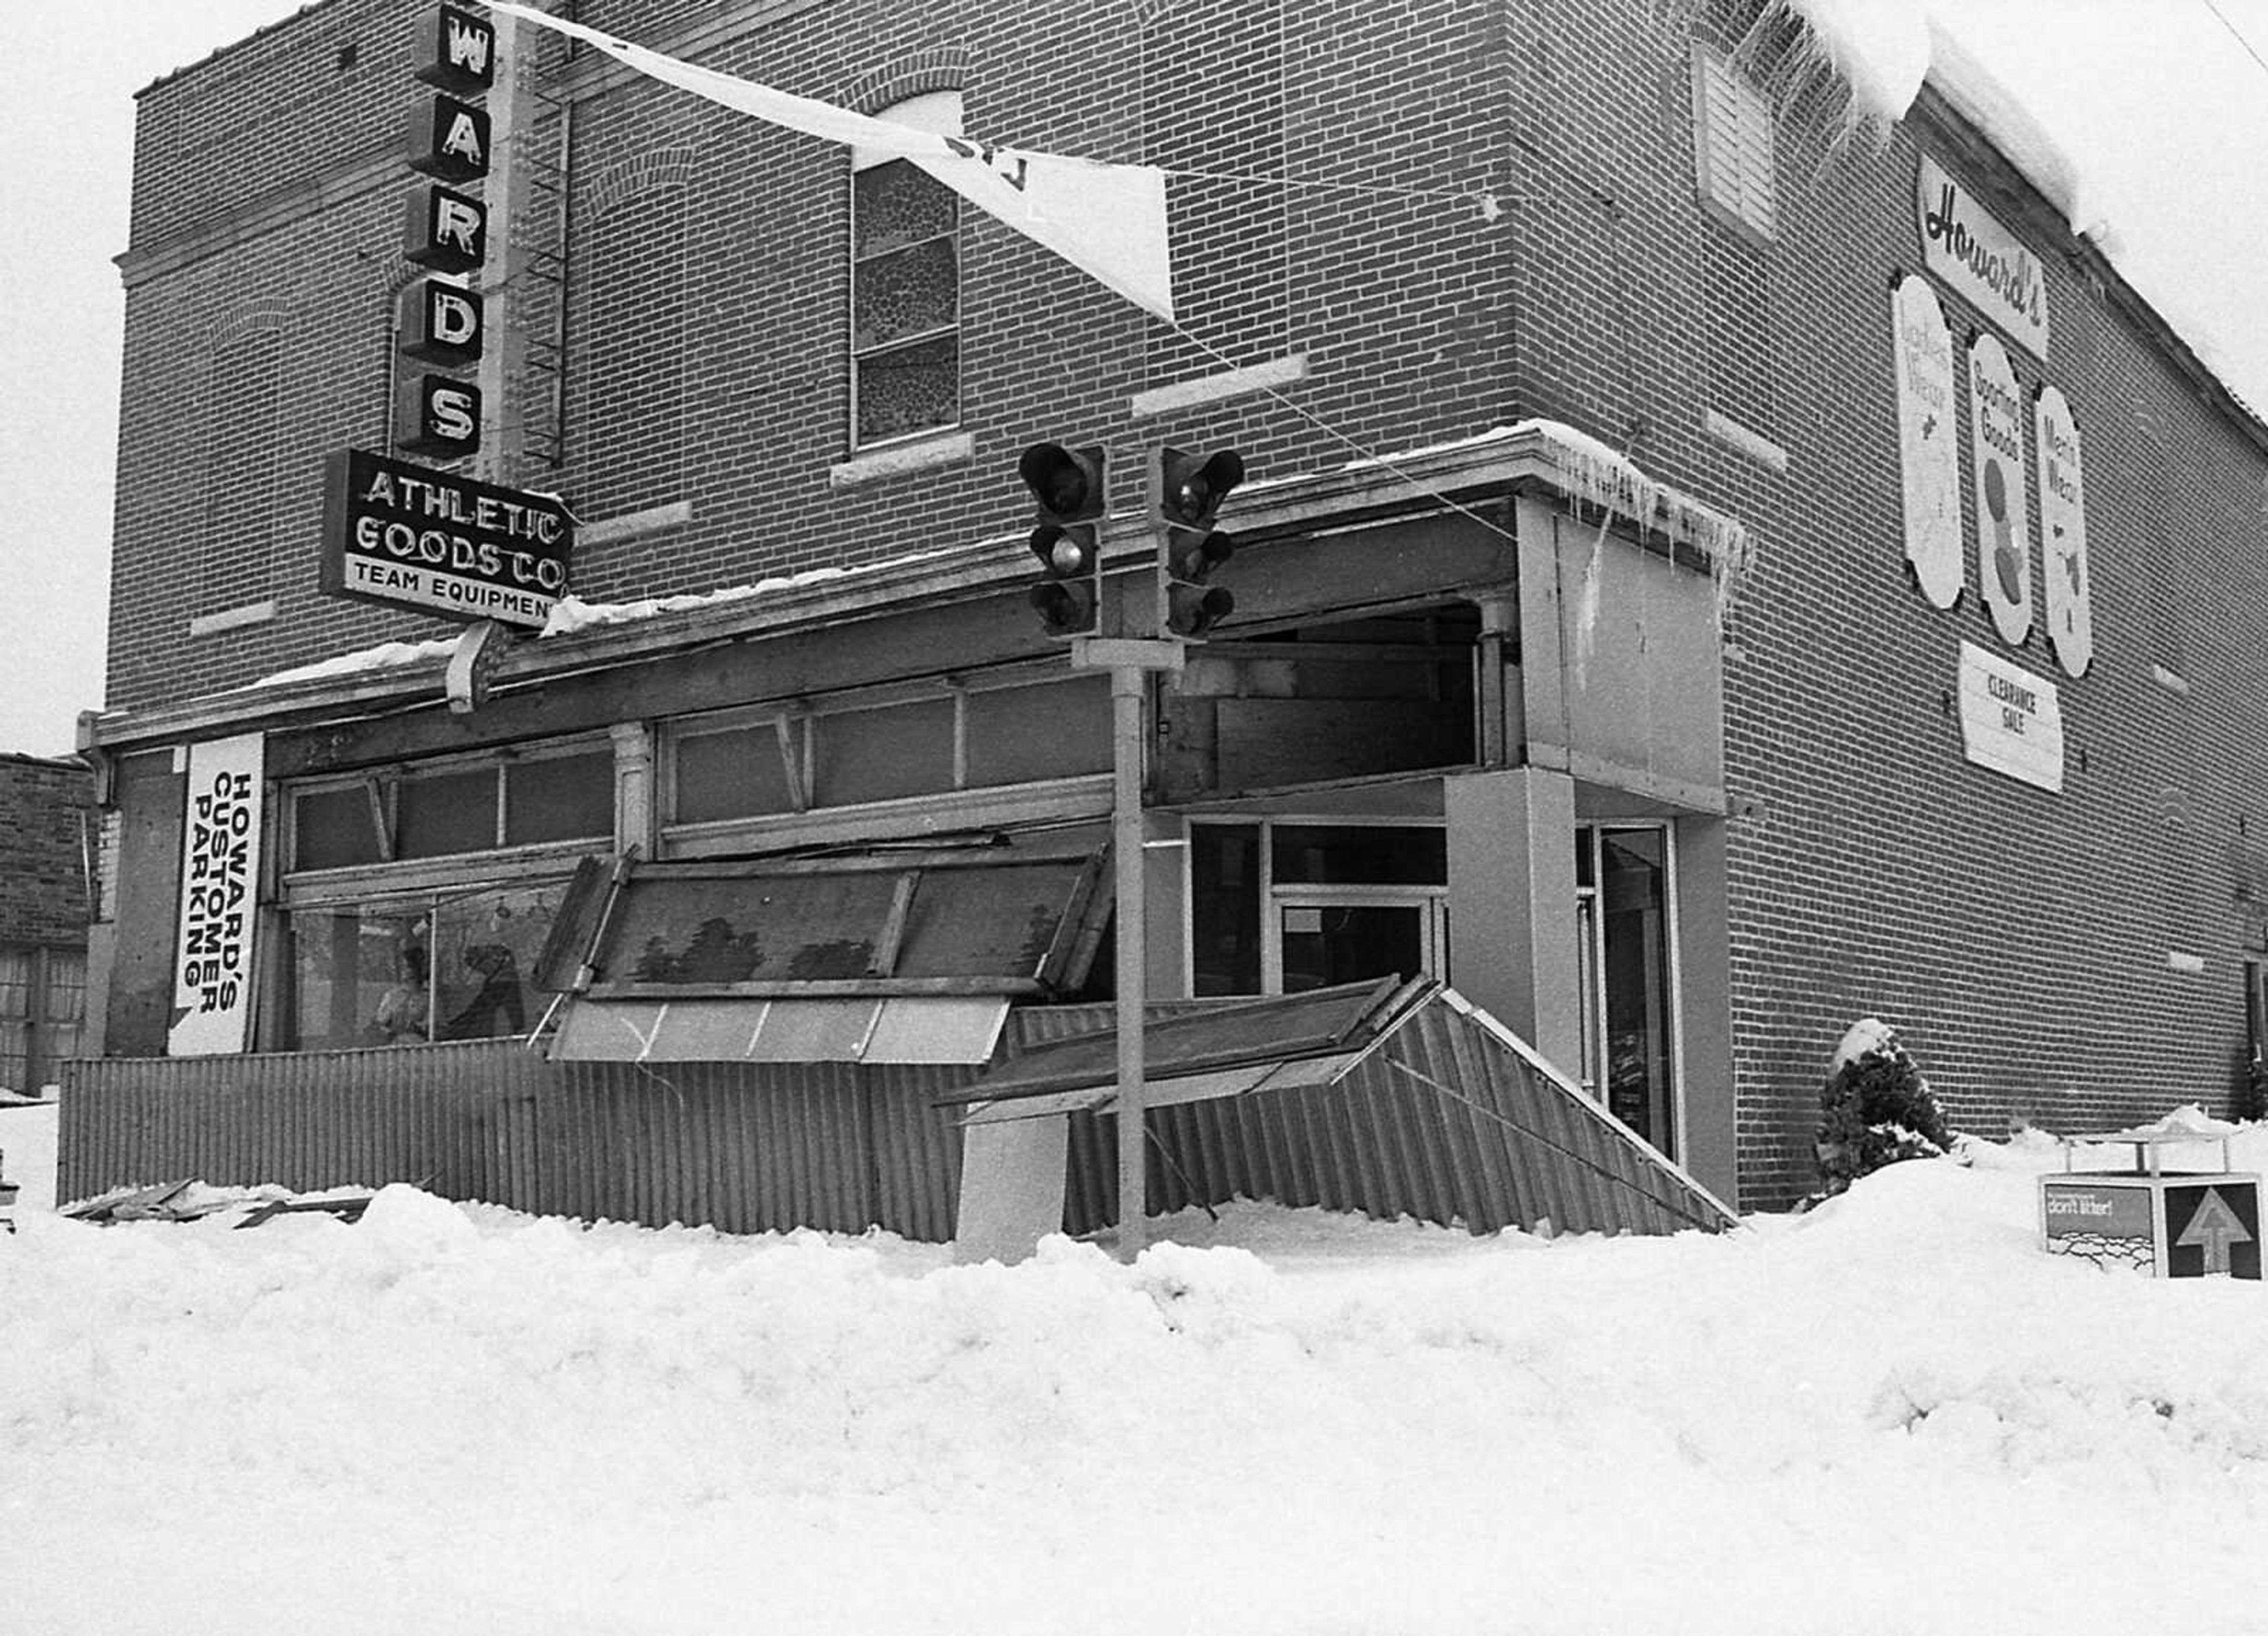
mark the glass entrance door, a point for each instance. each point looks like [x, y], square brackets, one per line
[1628, 982]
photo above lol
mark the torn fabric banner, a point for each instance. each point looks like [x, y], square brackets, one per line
[1107, 220]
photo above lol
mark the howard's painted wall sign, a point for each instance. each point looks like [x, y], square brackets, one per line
[444, 230]
[2063, 532]
[412, 537]
[463, 61]
[1929, 455]
[1965, 245]
[220, 879]
[2010, 720]
[449, 141]
[2004, 521]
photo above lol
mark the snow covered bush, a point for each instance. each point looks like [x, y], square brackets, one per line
[1875, 1107]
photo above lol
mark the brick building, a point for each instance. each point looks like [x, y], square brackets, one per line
[46, 807]
[1668, 604]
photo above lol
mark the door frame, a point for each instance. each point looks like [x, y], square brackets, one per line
[1590, 833]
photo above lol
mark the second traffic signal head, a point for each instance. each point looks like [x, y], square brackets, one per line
[1187, 491]
[1068, 487]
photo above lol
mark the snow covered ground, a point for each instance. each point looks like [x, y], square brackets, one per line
[1893, 1414]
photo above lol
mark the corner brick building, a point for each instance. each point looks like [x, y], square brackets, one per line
[1596, 647]
[46, 807]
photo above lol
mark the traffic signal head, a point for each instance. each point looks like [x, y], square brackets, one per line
[1188, 491]
[1067, 485]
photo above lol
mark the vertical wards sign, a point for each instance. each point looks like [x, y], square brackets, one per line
[439, 319]
[2004, 524]
[1929, 457]
[2063, 532]
[220, 897]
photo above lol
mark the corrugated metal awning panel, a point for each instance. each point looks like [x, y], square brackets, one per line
[755, 1147]
[1450, 1118]
[459, 1119]
[871, 1029]
[744, 1146]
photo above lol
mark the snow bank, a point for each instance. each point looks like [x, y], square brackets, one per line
[454, 1418]
[27, 1151]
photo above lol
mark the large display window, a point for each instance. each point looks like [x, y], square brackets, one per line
[416, 898]
[411, 970]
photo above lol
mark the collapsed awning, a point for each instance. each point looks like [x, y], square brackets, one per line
[892, 955]
[1389, 1098]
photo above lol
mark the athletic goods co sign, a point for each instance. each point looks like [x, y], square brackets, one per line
[412, 537]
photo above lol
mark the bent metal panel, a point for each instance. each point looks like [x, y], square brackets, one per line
[409, 536]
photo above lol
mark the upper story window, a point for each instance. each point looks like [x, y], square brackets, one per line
[905, 286]
[559, 794]
[769, 761]
[1732, 147]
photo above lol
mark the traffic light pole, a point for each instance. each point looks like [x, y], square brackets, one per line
[1129, 661]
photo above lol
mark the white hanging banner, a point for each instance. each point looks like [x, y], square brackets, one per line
[2004, 524]
[1929, 455]
[220, 898]
[2063, 532]
[1107, 220]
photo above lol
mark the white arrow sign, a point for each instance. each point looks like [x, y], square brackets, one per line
[2213, 1228]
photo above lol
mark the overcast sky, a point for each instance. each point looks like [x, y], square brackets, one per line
[2162, 104]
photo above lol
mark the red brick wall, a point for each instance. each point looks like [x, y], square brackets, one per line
[43, 896]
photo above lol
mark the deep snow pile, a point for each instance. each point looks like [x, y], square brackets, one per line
[1891, 1415]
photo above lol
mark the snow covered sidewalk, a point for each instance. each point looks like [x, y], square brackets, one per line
[1892, 1415]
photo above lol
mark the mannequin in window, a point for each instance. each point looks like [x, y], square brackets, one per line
[401, 1010]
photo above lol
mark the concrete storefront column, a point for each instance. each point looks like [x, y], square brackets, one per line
[1704, 1007]
[1512, 903]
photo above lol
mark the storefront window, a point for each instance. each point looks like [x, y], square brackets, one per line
[453, 966]
[441, 813]
[748, 764]
[460, 806]
[559, 798]
[334, 829]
